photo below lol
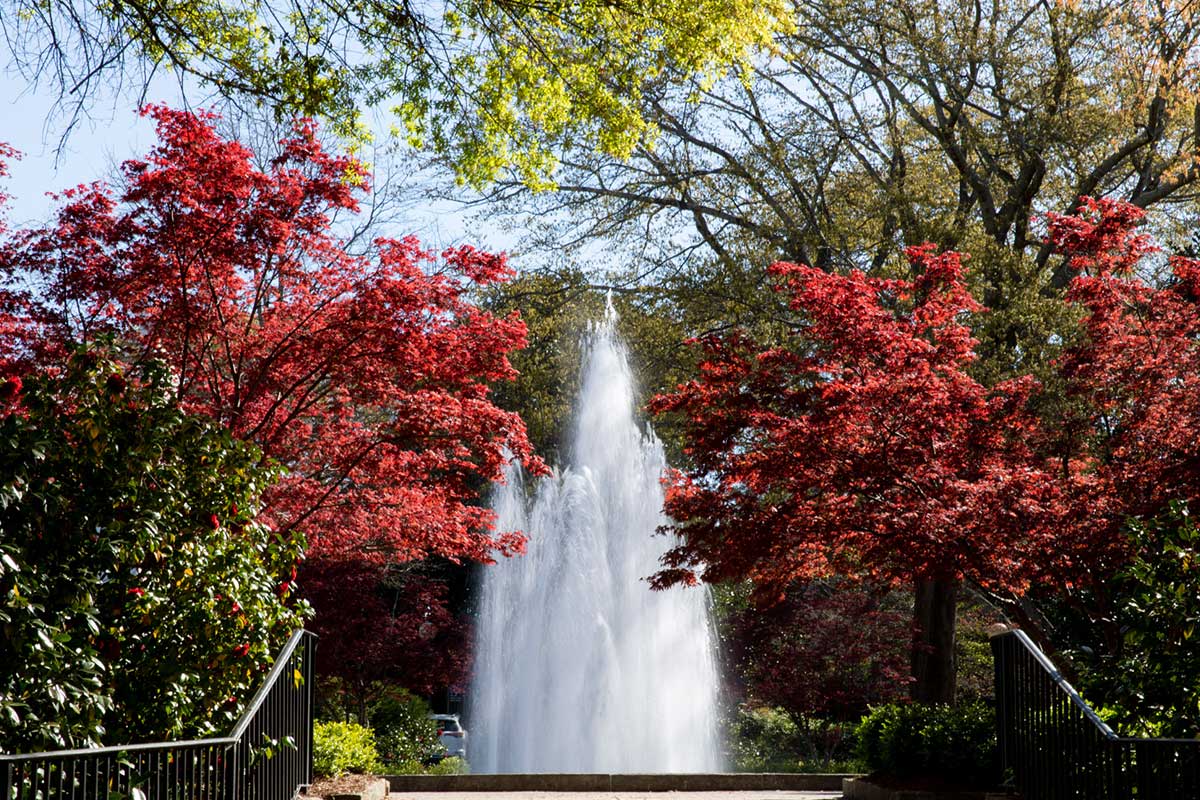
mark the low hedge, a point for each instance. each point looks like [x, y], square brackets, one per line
[954, 743]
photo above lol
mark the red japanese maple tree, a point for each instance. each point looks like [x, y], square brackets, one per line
[365, 375]
[1131, 444]
[1136, 369]
[864, 447]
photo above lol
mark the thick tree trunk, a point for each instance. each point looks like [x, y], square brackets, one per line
[933, 664]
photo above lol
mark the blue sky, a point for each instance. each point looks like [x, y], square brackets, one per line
[113, 132]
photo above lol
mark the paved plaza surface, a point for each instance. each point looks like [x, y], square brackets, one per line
[765, 794]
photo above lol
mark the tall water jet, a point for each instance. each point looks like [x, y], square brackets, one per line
[579, 666]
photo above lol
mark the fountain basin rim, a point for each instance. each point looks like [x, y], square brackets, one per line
[620, 782]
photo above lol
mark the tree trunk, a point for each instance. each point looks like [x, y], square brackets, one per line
[934, 669]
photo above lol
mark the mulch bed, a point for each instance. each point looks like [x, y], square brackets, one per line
[346, 784]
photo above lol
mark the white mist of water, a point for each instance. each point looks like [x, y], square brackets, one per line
[580, 667]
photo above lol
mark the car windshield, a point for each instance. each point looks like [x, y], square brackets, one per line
[447, 724]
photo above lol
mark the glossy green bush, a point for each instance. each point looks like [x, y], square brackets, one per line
[341, 747]
[956, 743]
[140, 598]
[1148, 684]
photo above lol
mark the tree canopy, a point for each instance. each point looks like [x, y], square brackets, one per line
[492, 84]
[365, 376]
[873, 127]
[863, 445]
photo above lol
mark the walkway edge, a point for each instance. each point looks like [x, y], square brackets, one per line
[619, 782]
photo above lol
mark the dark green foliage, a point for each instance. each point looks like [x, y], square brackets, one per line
[763, 740]
[1147, 682]
[139, 597]
[341, 747]
[953, 743]
[973, 650]
[403, 730]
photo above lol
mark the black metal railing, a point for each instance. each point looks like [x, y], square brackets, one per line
[1056, 747]
[267, 756]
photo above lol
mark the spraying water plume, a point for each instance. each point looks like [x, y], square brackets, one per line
[579, 666]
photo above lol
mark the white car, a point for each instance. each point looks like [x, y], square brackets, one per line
[451, 734]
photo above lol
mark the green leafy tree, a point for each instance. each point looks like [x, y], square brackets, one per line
[875, 126]
[492, 84]
[139, 597]
[1148, 679]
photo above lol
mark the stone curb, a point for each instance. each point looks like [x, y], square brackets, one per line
[862, 789]
[621, 782]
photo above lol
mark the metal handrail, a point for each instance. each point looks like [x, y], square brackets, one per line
[285, 655]
[1055, 746]
[215, 768]
[115, 750]
[1057, 676]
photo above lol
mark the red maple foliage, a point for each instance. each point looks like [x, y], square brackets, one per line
[863, 448]
[1132, 444]
[866, 448]
[365, 375]
[386, 626]
[826, 651]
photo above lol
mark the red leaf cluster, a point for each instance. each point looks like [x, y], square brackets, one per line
[381, 625]
[866, 447]
[862, 448]
[1133, 443]
[824, 651]
[366, 375]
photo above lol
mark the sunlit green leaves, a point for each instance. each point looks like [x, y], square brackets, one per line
[494, 84]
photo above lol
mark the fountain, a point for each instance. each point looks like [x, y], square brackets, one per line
[580, 667]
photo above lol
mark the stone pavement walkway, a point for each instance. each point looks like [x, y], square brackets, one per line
[748, 795]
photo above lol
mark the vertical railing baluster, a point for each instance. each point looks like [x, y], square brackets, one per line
[215, 769]
[1055, 747]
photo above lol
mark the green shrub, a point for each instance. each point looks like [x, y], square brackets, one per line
[160, 599]
[341, 747]
[449, 766]
[405, 768]
[771, 740]
[403, 730]
[954, 743]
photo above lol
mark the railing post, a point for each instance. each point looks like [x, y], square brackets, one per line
[1002, 695]
[310, 681]
[233, 785]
